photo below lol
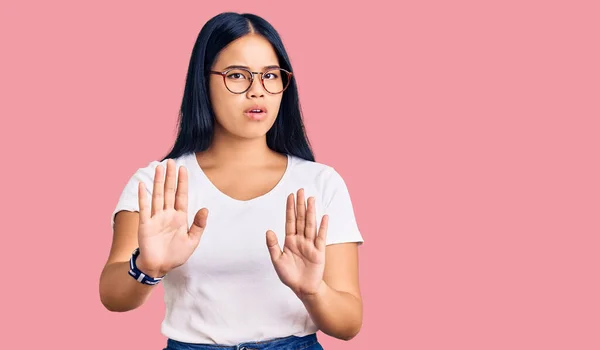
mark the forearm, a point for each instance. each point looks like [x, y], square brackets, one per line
[119, 291]
[338, 314]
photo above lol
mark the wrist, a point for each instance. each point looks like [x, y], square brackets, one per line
[146, 269]
[311, 297]
[143, 273]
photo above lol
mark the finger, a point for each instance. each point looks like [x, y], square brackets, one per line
[290, 216]
[321, 240]
[199, 224]
[143, 203]
[310, 232]
[181, 197]
[170, 185]
[273, 245]
[300, 212]
[157, 191]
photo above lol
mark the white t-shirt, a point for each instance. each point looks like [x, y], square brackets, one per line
[228, 291]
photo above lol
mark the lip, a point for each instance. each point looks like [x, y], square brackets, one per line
[256, 116]
[263, 108]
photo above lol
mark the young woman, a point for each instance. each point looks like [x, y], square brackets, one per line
[268, 253]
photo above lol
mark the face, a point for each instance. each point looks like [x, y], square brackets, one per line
[233, 111]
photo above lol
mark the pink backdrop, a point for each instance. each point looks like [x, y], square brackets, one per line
[468, 135]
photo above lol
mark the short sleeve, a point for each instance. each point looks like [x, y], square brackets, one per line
[128, 199]
[342, 226]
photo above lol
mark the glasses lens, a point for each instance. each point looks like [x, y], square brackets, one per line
[275, 80]
[238, 80]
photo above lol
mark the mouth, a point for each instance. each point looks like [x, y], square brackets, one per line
[256, 112]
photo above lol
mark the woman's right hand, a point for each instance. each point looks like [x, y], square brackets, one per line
[163, 236]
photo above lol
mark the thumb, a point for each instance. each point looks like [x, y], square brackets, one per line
[198, 225]
[273, 245]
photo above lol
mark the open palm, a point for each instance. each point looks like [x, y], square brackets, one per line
[165, 242]
[301, 264]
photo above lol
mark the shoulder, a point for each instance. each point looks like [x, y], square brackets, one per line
[151, 165]
[128, 199]
[311, 169]
[145, 172]
[323, 176]
[334, 197]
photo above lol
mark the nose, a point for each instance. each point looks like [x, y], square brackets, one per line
[256, 89]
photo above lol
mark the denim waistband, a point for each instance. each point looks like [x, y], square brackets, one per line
[288, 343]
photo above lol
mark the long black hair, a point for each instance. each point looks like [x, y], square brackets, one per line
[196, 117]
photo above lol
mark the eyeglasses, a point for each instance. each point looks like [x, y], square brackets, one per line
[239, 80]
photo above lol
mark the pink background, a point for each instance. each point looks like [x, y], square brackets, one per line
[470, 145]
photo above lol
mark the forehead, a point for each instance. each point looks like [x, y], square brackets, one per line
[253, 51]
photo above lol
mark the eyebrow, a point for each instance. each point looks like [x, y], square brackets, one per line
[239, 66]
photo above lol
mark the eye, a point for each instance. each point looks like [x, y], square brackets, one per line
[236, 76]
[271, 76]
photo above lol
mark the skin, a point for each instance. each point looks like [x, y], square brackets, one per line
[325, 278]
[254, 52]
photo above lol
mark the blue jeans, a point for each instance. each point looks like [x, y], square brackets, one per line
[308, 342]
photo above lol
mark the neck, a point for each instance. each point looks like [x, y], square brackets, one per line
[232, 150]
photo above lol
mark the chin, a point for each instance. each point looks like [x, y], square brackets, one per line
[255, 128]
[248, 129]
[257, 131]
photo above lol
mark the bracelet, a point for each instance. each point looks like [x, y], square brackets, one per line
[139, 275]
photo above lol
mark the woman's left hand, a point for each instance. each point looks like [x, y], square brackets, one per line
[301, 264]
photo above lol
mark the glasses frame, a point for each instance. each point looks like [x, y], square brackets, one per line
[262, 80]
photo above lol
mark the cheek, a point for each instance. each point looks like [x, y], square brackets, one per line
[216, 92]
[222, 101]
[274, 107]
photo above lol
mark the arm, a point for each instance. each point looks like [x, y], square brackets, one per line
[161, 231]
[324, 277]
[118, 290]
[337, 307]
